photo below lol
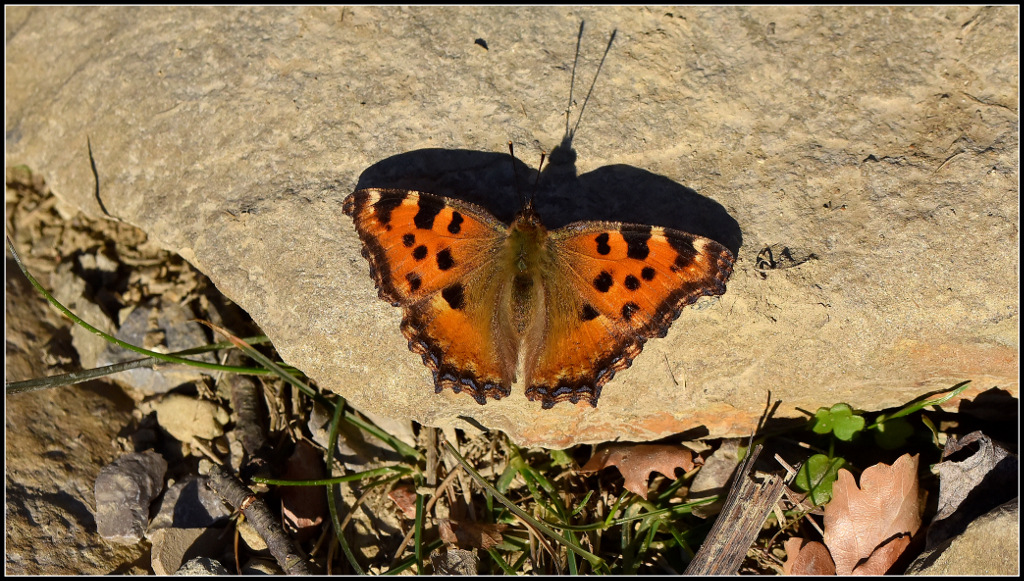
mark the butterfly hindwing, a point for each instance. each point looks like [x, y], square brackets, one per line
[610, 288]
[433, 256]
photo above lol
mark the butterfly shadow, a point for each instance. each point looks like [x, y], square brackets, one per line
[499, 183]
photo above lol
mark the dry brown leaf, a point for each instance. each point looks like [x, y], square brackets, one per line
[636, 462]
[404, 497]
[466, 534]
[805, 557]
[883, 557]
[303, 507]
[858, 521]
[976, 474]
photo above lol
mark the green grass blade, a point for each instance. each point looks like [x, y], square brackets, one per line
[332, 504]
[594, 560]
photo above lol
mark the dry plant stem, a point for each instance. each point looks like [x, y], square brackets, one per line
[431, 466]
[540, 540]
[238, 561]
[76, 376]
[205, 449]
[814, 523]
[263, 521]
[465, 484]
[332, 550]
[325, 534]
[748, 505]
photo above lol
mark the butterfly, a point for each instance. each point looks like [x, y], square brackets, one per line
[485, 303]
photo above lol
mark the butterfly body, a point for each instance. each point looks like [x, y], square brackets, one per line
[486, 303]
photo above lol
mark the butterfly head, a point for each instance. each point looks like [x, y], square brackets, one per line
[527, 222]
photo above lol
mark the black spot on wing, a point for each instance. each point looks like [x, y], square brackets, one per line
[424, 218]
[685, 250]
[455, 226]
[647, 273]
[629, 309]
[420, 252]
[588, 313]
[454, 296]
[603, 282]
[636, 242]
[408, 240]
[602, 244]
[384, 206]
[632, 282]
[414, 281]
[445, 260]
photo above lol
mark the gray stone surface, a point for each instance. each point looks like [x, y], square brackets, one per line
[56, 441]
[189, 503]
[160, 325]
[882, 140]
[174, 547]
[201, 566]
[989, 546]
[125, 488]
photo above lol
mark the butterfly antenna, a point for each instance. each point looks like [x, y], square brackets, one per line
[515, 174]
[608, 48]
[536, 182]
[572, 80]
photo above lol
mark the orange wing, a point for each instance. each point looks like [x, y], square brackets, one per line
[609, 288]
[434, 257]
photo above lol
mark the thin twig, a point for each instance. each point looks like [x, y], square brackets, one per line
[263, 521]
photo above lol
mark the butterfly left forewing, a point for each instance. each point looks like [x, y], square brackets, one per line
[610, 287]
[434, 257]
[411, 240]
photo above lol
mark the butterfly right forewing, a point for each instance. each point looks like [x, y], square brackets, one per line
[611, 286]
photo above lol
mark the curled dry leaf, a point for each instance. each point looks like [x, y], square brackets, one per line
[867, 528]
[636, 462]
[976, 474]
[467, 534]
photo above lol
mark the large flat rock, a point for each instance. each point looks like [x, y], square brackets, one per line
[879, 144]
